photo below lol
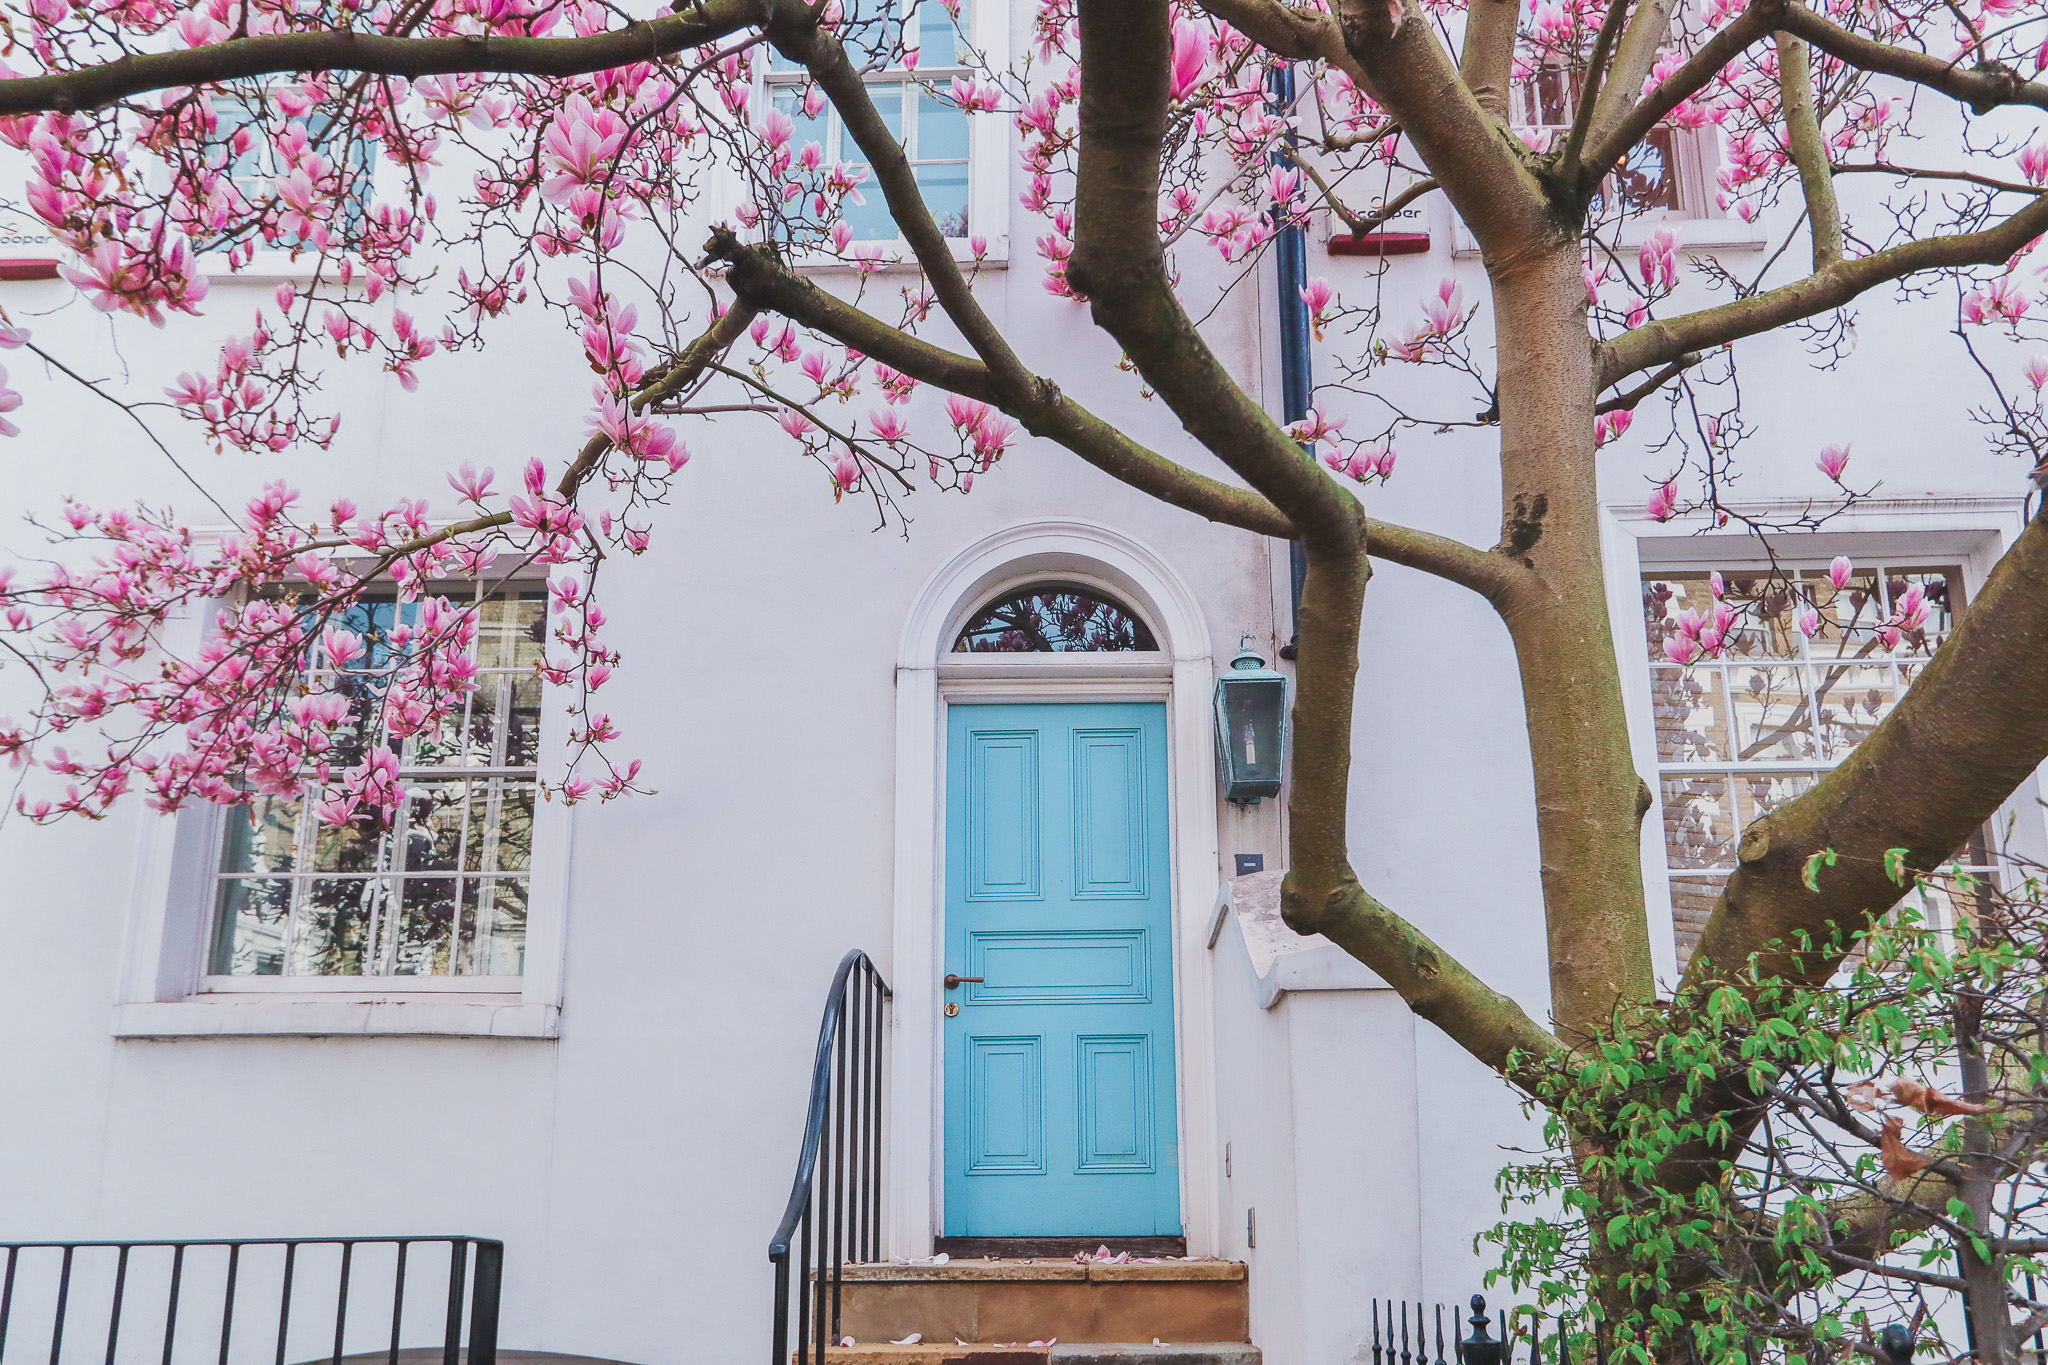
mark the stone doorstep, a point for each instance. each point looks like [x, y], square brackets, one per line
[1077, 1353]
[983, 1270]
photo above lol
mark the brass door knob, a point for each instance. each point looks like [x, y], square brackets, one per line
[953, 982]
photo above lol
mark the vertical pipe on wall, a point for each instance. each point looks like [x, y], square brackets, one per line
[1290, 253]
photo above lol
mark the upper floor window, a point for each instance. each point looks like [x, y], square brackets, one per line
[1667, 174]
[915, 103]
[264, 169]
[442, 890]
[1807, 670]
[1053, 618]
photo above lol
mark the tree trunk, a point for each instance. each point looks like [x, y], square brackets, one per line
[1588, 797]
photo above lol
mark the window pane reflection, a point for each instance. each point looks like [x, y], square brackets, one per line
[442, 890]
[1803, 676]
[1053, 619]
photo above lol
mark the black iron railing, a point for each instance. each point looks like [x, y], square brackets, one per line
[835, 1207]
[1516, 1337]
[249, 1301]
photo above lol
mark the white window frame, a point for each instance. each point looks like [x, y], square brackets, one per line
[1972, 532]
[1702, 223]
[164, 990]
[988, 160]
[272, 264]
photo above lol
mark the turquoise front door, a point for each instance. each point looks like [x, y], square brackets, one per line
[1059, 1061]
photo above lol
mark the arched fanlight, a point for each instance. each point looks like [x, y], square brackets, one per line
[1054, 618]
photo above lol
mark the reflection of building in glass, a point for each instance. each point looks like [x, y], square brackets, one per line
[1052, 619]
[914, 102]
[440, 892]
[1651, 181]
[1741, 734]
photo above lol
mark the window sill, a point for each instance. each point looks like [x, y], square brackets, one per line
[1694, 234]
[820, 263]
[265, 267]
[476, 1016]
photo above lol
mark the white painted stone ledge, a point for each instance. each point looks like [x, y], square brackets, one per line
[272, 1017]
[1283, 960]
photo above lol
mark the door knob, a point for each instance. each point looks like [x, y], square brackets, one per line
[954, 982]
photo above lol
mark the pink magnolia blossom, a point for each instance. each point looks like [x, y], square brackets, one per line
[1833, 460]
[974, 95]
[1658, 258]
[9, 401]
[1190, 58]
[2001, 302]
[1316, 294]
[1663, 502]
[1840, 569]
[2034, 162]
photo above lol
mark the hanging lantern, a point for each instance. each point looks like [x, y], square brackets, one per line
[1251, 727]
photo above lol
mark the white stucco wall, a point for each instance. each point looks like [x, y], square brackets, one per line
[635, 1166]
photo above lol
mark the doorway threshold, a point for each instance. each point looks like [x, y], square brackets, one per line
[1020, 1247]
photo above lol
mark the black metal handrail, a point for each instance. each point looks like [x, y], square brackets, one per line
[66, 1292]
[835, 1205]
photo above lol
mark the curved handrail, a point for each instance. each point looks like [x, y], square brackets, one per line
[821, 1085]
[837, 1198]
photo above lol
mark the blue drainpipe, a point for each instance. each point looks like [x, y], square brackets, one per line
[1291, 252]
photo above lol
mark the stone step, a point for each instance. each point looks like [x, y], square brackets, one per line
[1030, 1300]
[1061, 1353]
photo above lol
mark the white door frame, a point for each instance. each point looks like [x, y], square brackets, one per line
[1183, 675]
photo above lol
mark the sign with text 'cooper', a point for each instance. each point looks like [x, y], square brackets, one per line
[1405, 232]
[28, 252]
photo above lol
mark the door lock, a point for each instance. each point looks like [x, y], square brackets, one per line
[952, 1009]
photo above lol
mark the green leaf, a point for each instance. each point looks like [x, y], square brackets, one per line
[1811, 874]
[1895, 865]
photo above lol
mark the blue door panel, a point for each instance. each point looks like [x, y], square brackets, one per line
[1002, 815]
[1006, 1109]
[1060, 1082]
[1018, 967]
[1109, 814]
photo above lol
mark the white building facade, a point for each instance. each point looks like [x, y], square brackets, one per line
[614, 1081]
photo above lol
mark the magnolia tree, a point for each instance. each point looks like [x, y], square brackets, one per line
[561, 157]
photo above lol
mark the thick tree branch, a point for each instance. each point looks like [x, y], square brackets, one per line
[1501, 580]
[1809, 150]
[1612, 141]
[1486, 62]
[1589, 97]
[341, 50]
[1641, 44]
[1045, 411]
[1484, 169]
[1302, 35]
[1983, 87]
[1119, 264]
[793, 28]
[1659, 342]
[1862, 1226]
[1967, 733]
[1435, 985]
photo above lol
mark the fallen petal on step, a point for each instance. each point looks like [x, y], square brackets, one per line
[848, 1341]
[911, 1340]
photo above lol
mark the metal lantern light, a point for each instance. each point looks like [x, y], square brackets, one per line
[1251, 726]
